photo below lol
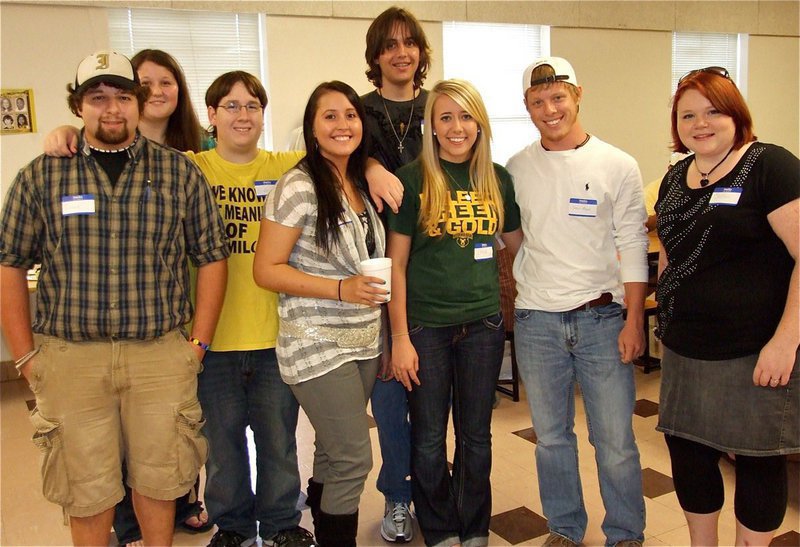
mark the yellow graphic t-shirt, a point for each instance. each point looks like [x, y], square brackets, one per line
[249, 318]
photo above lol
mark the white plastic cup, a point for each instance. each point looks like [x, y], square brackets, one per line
[379, 267]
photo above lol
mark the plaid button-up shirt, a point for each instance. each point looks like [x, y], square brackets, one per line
[120, 271]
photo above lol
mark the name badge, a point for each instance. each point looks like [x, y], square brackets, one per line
[581, 207]
[264, 187]
[725, 196]
[483, 251]
[81, 204]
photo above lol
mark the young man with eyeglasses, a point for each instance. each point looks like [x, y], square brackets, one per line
[398, 56]
[583, 255]
[240, 385]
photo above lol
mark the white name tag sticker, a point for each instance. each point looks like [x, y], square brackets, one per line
[264, 187]
[483, 251]
[581, 207]
[725, 196]
[81, 204]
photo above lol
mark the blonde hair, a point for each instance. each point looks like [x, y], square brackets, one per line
[435, 199]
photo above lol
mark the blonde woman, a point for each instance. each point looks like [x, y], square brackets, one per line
[447, 329]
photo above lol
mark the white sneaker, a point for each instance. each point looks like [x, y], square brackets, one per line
[396, 525]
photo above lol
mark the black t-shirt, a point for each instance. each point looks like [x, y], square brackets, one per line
[724, 289]
[386, 133]
[113, 163]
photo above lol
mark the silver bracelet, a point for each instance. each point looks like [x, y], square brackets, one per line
[24, 359]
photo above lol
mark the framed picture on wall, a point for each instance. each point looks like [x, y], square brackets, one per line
[16, 111]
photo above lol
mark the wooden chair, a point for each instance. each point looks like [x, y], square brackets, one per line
[648, 362]
[508, 292]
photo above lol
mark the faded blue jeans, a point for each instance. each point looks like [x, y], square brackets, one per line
[459, 363]
[554, 351]
[238, 389]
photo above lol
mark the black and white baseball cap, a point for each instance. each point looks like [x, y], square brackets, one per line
[563, 73]
[106, 66]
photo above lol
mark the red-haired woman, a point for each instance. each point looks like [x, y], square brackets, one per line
[729, 310]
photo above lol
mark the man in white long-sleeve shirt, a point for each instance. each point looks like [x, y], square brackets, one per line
[584, 255]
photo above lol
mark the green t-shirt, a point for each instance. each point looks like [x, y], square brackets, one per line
[452, 279]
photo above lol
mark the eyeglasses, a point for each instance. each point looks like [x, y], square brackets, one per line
[718, 70]
[233, 107]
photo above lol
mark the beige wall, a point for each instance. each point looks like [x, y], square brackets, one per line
[774, 89]
[764, 17]
[625, 77]
[297, 66]
[40, 47]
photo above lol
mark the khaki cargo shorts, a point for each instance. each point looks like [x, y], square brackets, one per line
[99, 403]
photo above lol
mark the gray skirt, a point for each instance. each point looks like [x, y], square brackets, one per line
[715, 403]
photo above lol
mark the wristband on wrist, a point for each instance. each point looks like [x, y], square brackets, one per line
[399, 334]
[197, 342]
[340, 290]
[24, 359]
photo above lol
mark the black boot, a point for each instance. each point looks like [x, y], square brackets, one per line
[314, 498]
[336, 530]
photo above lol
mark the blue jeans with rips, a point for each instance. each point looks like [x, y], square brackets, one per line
[554, 351]
[390, 410]
[238, 389]
[458, 363]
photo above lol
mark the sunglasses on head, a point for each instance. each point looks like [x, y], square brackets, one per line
[718, 70]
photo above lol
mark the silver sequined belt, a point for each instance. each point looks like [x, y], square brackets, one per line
[346, 337]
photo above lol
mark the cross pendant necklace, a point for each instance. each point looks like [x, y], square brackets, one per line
[404, 127]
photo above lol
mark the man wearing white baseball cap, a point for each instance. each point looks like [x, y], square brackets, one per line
[114, 375]
[584, 255]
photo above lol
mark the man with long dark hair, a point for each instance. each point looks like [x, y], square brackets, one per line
[398, 57]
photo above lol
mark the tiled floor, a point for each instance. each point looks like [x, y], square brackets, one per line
[27, 519]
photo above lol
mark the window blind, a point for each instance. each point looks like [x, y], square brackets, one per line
[493, 56]
[693, 50]
[205, 43]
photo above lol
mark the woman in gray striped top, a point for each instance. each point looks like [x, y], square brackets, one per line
[318, 225]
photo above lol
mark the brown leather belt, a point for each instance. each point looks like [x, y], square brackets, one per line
[601, 300]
